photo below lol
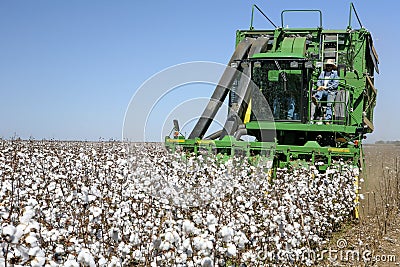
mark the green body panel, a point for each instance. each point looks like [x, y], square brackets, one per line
[291, 47]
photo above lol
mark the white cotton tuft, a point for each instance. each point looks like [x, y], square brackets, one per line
[231, 251]
[86, 258]
[226, 233]
[187, 226]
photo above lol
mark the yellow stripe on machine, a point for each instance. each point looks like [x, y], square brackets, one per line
[248, 113]
[205, 142]
[357, 200]
[336, 149]
[176, 140]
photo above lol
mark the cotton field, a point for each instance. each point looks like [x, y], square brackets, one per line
[117, 204]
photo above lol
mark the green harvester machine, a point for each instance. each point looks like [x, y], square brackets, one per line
[268, 85]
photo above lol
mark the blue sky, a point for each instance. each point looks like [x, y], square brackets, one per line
[68, 69]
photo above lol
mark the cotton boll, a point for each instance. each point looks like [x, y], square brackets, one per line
[19, 231]
[296, 225]
[287, 196]
[22, 253]
[276, 239]
[307, 219]
[274, 204]
[199, 243]
[96, 211]
[59, 249]
[165, 245]
[134, 239]
[226, 233]
[169, 237]
[356, 172]
[31, 202]
[239, 198]
[51, 186]
[241, 240]
[207, 262]
[28, 214]
[137, 254]
[253, 228]
[8, 232]
[277, 219]
[187, 246]
[38, 256]
[187, 226]
[197, 219]
[211, 219]
[294, 242]
[209, 245]
[124, 249]
[31, 239]
[177, 238]
[86, 258]
[212, 228]
[231, 250]
[169, 256]
[69, 198]
[38, 261]
[91, 198]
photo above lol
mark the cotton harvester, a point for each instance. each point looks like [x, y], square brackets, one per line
[269, 83]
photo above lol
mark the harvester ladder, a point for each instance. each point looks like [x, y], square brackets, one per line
[330, 47]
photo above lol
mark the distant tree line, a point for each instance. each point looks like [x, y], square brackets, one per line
[380, 142]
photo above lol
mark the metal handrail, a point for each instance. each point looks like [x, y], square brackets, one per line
[303, 10]
[252, 17]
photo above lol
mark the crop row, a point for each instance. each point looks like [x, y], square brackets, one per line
[118, 204]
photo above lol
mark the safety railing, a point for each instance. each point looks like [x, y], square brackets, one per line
[340, 106]
[302, 10]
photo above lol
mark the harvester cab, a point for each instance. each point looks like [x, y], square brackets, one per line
[269, 83]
